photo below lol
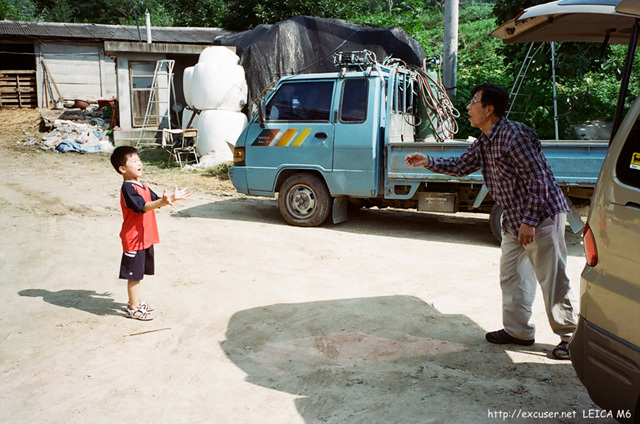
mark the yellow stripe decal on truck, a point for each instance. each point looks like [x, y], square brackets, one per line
[269, 137]
[302, 137]
[286, 137]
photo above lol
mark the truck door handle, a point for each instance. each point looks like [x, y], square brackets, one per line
[321, 135]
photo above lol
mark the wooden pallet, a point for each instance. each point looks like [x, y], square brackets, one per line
[18, 89]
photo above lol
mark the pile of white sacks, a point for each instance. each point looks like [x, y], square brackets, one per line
[217, 87]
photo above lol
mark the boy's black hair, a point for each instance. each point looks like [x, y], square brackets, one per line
[120, 155]
[495, 96]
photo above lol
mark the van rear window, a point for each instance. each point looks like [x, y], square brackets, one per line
[628, 164]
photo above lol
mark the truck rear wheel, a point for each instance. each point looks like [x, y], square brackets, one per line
[495, 221]
[304, 200]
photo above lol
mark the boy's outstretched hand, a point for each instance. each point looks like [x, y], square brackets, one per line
[178, 194]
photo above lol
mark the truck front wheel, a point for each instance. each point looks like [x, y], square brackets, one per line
[304, 200]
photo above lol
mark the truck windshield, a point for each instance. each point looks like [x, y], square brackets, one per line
[301, 101]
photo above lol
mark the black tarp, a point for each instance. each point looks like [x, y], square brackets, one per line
[304, 44]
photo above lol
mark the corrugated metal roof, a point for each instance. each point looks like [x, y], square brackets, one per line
[109, 32]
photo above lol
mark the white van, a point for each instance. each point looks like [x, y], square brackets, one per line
[605, 350]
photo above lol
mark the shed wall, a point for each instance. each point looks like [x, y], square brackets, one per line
[79, 70]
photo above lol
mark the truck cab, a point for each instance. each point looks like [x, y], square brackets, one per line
[318, 138]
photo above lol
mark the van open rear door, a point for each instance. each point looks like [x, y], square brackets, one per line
[596, 21]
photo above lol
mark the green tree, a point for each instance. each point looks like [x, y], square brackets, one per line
[18, 10]
[577, 67]
[247, 14]
[58, 11]
[100, 11]
[198, 13]
[477, 62]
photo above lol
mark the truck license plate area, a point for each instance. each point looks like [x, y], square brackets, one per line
[437, 202]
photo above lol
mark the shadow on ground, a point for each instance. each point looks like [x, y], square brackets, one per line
[83, 300]
[471, 229]
[387, 222]
[388, 359]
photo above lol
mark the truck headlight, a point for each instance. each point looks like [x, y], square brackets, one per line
[238, 156]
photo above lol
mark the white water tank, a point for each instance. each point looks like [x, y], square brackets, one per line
[218, 54]
[187, 85]
[217, 129]
[218, 86]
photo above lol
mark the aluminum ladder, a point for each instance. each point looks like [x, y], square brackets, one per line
[515, 90]
[160, 94]
[517, 83]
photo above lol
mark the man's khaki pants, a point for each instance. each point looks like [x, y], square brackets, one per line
[545, 258]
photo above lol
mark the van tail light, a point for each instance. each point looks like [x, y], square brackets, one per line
[590, 248]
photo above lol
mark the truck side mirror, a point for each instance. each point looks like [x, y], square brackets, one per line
[261, 112]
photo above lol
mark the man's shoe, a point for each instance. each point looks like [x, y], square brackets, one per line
[561, 351]
[502, 337]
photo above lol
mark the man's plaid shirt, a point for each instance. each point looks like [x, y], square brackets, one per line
[515, 172]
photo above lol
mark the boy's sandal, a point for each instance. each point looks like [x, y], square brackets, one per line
[142, 305]
[145, 305]
[139, 314]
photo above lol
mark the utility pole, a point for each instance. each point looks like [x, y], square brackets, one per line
[450, 47]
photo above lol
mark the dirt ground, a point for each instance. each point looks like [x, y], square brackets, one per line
[377, 320]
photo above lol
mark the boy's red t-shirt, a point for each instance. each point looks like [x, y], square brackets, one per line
[139, 229]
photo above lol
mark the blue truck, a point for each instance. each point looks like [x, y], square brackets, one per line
[327, 142]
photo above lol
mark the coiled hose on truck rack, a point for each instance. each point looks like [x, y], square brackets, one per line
[434, 97]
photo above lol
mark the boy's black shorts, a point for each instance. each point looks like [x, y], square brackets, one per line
[136, 264]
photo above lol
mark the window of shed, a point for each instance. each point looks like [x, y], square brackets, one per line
[141, 79]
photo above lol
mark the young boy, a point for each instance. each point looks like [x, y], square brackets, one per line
[139, 230]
